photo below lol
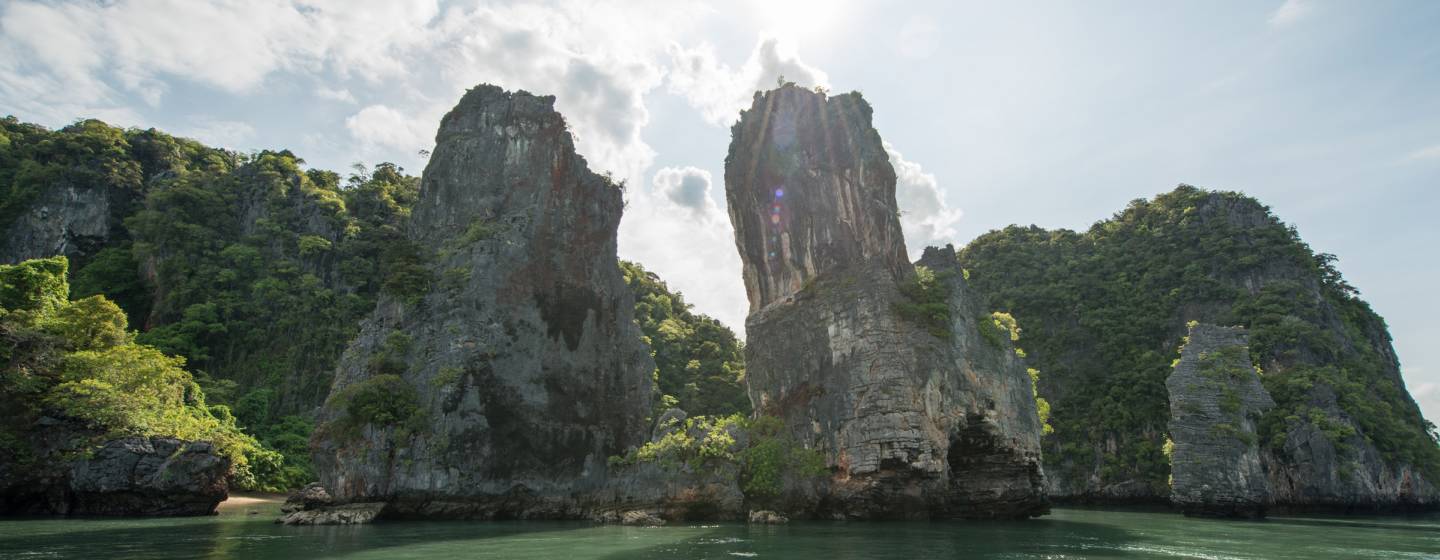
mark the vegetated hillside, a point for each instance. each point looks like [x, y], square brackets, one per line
[258, 271]
[73, 377]
[1104, 311]
[253, 269]
[699, 363]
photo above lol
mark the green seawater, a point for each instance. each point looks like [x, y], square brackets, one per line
[1067, 533]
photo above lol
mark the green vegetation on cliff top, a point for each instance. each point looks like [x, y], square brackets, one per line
[1104, 311]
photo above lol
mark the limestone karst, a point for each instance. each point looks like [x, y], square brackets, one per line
[503, 383]
[916, 418]
[501, 375]
[1103, 312]
[1216, 402]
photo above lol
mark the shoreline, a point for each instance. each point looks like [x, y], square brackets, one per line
[249, 502]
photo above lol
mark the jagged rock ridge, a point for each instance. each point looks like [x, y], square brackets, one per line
[1216, 401]
[914, 424]
[520, 360]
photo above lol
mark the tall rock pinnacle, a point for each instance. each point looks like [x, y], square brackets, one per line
[918, 417]
[500, 385]
[1216, 401]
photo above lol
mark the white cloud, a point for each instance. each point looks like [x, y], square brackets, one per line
[924, 216]
[233, 135]
[1430, 152]
[1290, 12]
[338, 94]
[689, 188]
[720, 92]
[378, 125]
[691, 246]
[599, 82]
[93, 58]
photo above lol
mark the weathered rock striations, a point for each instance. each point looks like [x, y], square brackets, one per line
[128, 476]
[500, 388]
[1216, 401]
[915, 422]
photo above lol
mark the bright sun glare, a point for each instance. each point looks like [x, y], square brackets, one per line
[797, 19]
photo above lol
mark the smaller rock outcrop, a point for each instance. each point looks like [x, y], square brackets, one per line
[149, 476]
[1216, 401]
[130, 476]
[767, 517]
[313, 505]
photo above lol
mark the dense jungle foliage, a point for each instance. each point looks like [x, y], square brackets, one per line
[1104, 312]
[699, 363]
[77, 364]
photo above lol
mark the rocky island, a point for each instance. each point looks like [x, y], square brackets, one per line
[877, 363]
[499, 386]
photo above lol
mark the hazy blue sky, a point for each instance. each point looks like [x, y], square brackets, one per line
[1051, 113]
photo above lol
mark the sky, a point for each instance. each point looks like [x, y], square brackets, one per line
[1048, 113]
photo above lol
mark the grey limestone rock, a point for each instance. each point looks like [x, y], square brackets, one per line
[913, 424]
[517, 369]
[64, 220]
[132, 476]
[344, 514]
[767, 517]
[1216, 401]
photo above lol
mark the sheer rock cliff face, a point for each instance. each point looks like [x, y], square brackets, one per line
[64, 220]
[520, 355]
[913, 425]
[1216, 401]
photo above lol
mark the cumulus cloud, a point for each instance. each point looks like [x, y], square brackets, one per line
[95, 58]
[719, 92]
[688, 188]
[1290, 12]
[691, 246]
[924, 216]
[599, 81]
[383, 126]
